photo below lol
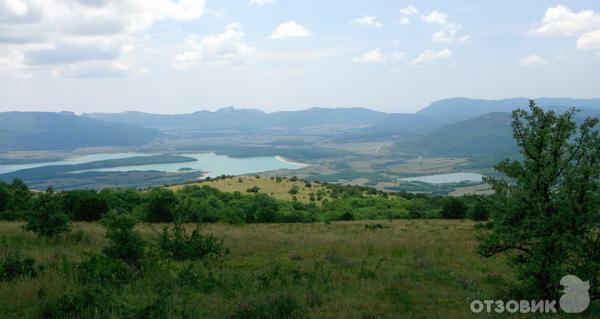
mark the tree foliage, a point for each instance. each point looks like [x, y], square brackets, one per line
[47, 218]
[546, 209]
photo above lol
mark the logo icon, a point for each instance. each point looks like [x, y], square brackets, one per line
[576, 298]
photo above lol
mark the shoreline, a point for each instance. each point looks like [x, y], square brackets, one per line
[289, 161]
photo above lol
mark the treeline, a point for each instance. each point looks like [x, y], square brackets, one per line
[204, 204]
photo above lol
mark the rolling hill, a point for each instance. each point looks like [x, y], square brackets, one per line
[64, 130]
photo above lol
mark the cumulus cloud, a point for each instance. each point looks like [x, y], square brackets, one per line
[429, 56]
[224, 48]
[290, 29]
[406, 12]
[372, 56]
[589, 41]
[261, 3]
[530, 60]
[449, 34]
[436, 17]
[561, 21]
[368, 21]
[68, 36]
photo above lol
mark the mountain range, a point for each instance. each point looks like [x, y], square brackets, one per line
[446, 127]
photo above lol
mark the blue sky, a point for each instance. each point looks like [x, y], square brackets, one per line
[396, 56]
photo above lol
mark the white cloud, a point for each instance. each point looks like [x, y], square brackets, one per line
[290, 29]
[372, 56]
[429, 56]
[224, 48]
[409, 10]
[368, 21]
[449, 34]
[406, 12]
[561, 21]
[533, 59]
[436, 17]
[589, 41]
[261, 3]
[64, 36]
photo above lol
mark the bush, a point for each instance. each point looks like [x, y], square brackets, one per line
[46, 218]
[161, 204]
[453, 208]
[125, 244]
[84, 205]
[479, 211]
[253, 189]
[103, 270]
[86, 303]
[294, 190]
[278, 306]
[13, 266]
[180, 246]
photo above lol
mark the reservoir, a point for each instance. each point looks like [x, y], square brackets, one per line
[446, 178]
[212, 164]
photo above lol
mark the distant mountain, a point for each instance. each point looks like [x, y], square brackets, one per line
[457, 109]
[313, 121]
[485, 134]
[65, 130]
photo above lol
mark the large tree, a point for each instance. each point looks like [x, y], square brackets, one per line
[546, 210]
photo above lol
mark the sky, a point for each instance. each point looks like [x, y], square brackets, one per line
[181, 56]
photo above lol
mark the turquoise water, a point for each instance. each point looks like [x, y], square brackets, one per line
[446, 178]
[74, 160]
[211, 163]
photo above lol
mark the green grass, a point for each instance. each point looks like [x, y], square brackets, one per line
[403, 269]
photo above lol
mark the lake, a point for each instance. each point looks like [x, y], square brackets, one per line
[446, 178]
[213, 164]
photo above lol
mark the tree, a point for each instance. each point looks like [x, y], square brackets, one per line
[161, 205]
[453, 208]
[86, 205]
[47, 218]
[547, 207]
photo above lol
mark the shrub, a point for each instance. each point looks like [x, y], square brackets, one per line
[103, 270]
[181, 246]
[161, 203]
[88, 302]
[46, 218]
[84, 205]
[294, 190]
[125, 244]
[253, 189]
[278, 306]
[479, 211]
[13, 266]
[453, 208]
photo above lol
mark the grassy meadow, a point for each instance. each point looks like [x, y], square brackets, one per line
[367, 269]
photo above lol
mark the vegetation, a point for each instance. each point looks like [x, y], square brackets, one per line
[546, 210]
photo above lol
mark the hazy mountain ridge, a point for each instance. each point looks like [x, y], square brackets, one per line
[65, 130]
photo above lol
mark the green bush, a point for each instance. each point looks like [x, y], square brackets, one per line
[84, 205]
[161, 203]
[86, 303]
[47, 218]
[13, 266]
[273, 307]
[176, 244]
[125, 243]
[103, 270]
[453, 208]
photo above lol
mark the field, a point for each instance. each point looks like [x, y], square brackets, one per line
[382, 269]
